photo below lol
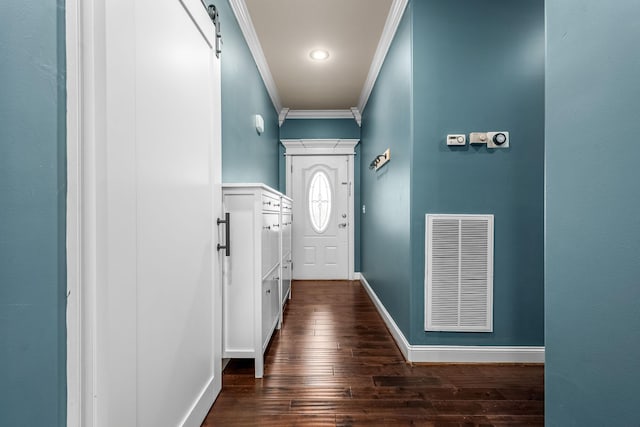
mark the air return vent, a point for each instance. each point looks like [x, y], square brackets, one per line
[459, 273]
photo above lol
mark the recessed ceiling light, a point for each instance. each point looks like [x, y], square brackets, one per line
[319, 55]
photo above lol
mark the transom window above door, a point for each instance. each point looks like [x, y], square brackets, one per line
[319, 201]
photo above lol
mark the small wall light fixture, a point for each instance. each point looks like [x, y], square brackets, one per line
[259, 124]
[380, 160]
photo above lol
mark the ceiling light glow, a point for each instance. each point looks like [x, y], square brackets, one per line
[319, 55]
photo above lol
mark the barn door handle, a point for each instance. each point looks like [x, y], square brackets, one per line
[227, 227]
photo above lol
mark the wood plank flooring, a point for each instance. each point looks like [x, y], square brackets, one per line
[335, 364]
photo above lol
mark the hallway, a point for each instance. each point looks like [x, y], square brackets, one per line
[335, 363]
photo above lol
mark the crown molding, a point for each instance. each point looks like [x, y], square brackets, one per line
[306, 147]
[389, 31]
[352, 113]
[319, 114]
[356, 115]
[282, 116]
[241, 12]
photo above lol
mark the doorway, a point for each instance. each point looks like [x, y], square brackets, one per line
[320, 180]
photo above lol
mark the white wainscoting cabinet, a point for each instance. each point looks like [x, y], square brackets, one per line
[257, 272]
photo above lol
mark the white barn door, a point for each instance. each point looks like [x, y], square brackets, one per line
[150, 180]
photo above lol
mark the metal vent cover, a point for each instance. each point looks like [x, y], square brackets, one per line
[459, 273]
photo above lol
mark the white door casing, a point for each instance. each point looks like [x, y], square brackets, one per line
[323, 218]
[144, 312]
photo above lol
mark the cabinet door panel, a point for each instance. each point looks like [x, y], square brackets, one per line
[270, 309]
[266, 308]
[286, 277]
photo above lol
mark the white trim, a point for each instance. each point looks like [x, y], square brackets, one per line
[282, 116]
[476, 354]
[352, 113]
[450, 353]
[243, 17]
[396, 333]
[389, 31]
[74, 234]
[318, 147]
[352, 223]
[320, 114]
[356, 115]
[200, 408]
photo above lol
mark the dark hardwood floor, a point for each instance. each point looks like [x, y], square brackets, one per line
[335, 364]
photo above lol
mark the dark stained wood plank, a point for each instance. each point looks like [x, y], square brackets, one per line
[399, 420]
[334, 363]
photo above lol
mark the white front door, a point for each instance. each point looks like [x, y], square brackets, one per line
[151, 185]
[321, 192]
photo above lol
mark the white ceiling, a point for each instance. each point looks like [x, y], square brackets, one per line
[288, 30]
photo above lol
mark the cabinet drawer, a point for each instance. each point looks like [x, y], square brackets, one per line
[270, 203]
[287, 224]
[286, 206]
[270, 236]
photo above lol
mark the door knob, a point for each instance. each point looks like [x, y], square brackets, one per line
[342, 225]
[344, 215]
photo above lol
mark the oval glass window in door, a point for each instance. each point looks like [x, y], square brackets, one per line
[319, 201]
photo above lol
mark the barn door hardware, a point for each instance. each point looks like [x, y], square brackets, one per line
[215, 18]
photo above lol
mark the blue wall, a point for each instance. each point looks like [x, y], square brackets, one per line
[385, 227]
[326, 129]
[420, 97]
[593, 226]
[32, 214]
[246, 155]
[497, 84]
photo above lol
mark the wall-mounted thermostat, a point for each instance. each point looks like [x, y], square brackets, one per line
[456, 139]
[498, 139]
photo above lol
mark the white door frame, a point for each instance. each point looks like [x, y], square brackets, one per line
[85, 77]
[80, 109]
[326, 147]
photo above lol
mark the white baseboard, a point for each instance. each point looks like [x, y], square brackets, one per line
[200, 407]
[476, 354]
[397, 334]
[356, 276]
[451, 353]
